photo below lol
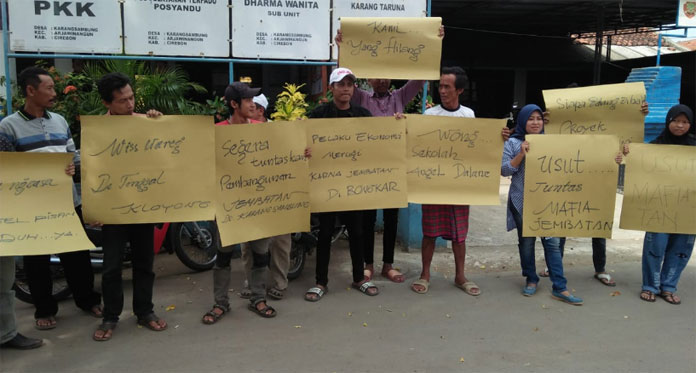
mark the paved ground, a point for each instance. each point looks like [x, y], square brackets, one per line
[398, 330]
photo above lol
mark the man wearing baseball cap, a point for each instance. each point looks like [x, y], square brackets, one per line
[342, 85]
[239, 100]
[261, 106]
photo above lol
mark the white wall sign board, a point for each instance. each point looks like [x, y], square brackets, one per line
[65, 26]
[288, 29]
[377, 8]
[177, 28]
[686, 14]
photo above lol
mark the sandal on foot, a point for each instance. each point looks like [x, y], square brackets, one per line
[96, 311]
[245, 293]
[51, 323]
[368, 272]
[214, 316]
[264, 311]
[147, 321]
[319, 292]
[544, 273]
[669, 297]
[105, 327]
[421, 282]
[393, 275]
[365, 287]
[605, 279]
[276, 293]
[647, 296]
[469, 287]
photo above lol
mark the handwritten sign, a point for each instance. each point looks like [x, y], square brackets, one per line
[262, 181]
[610, 109]
[660, 189]
[453, 161]
[394, 48]
[142, 170]
[570, 186]
[37, 215]
[357, 163]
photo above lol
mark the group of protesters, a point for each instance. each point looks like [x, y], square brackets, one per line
[35, 129]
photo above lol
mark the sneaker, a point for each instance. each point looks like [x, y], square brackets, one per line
[21, 342]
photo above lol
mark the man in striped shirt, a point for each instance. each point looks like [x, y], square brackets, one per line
[34, 129]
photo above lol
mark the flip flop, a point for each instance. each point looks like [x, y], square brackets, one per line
[365, 286]
[105, 327]
[468, 286]
[145, 321]
[51, 325]
[421, 282]
[668, 296]
[605, 279]
[92, 311]
[650, 296]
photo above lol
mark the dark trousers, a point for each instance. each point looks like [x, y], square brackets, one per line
[141, 238]
[78, 274]
[599, 252]
[391, 220]
[327, 224]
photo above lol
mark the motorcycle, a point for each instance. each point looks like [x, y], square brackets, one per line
[194, 243]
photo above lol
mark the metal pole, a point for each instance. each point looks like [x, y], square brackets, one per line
[424, 99]
[659, 48]
[6, 58]
[598, 47]
[231, 70]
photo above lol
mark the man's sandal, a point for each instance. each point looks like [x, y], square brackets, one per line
[264, 311]
[605, 279]
[147, 321]
[669, 297]
[105, 327]
[245, 293]
[275, 293]
[317, 291]
[96, 311]
[647, 296]
[393, 275]
[423, 283]
[365, 288]
[211, 317]
[469, 287]
[47, 324]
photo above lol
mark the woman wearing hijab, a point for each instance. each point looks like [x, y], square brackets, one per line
[530, 121]
[666, 254]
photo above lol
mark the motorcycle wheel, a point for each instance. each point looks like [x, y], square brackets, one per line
[196, 251]
[298, 255]
[61, 291]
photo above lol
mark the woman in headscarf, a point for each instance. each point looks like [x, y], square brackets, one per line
[530, 121]
[666, 254]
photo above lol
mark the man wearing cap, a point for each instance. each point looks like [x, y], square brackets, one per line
[239, 99]
[261, 105]
[342, 85]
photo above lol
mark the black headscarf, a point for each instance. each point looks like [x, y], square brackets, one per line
[666, 137]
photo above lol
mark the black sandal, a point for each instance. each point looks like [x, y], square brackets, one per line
[146, 320]
[215, 316]
[263, 312]
[650, 296]
[668, 296]
[105, 327]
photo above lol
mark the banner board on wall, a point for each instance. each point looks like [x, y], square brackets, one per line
[153, 27]
[686, 14]
[65, 26]
[284, 29]
[381, 8]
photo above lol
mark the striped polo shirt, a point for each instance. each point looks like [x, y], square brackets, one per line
[47, 134]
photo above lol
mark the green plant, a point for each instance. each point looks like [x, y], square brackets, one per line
[290, 104]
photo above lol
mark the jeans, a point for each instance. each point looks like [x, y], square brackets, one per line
[664, 257]
[327, 223]
[552, 255]
[141, 238]
[391, 217]
[78, 274]
[8, 324]
[599, 252]
[280, 260]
